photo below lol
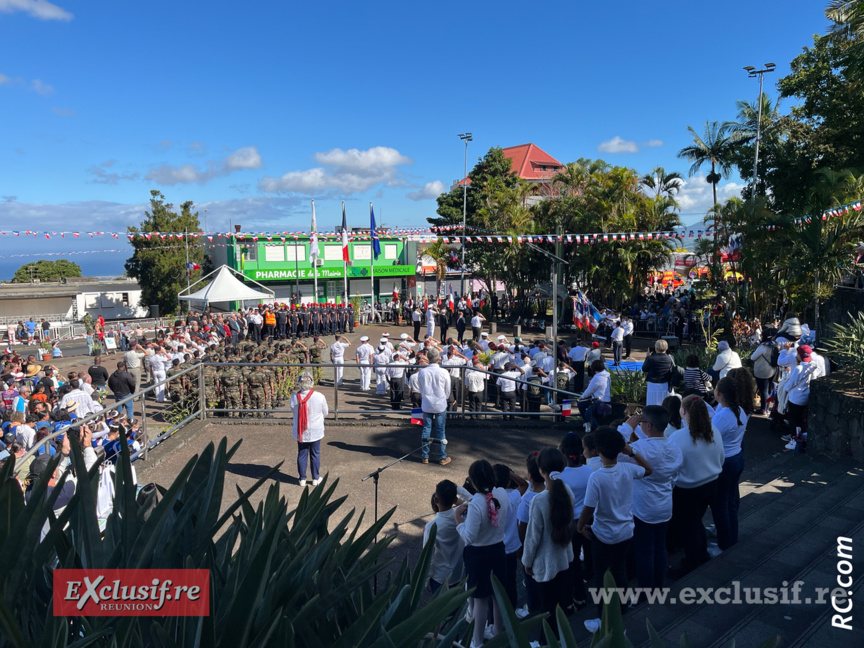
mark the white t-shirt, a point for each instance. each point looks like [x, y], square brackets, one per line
[578, 353]
[511, 530]
[364, 353]
[337, 350]
[652, 496]
[618, 334]
[475, 380]
[577, 479]
[477, 529]
[452, 364]
[316, 410]
[506, 383]
[446, 562]
[610, 493]
[477, 322]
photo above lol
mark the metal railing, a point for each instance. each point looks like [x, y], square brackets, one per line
[200, 409]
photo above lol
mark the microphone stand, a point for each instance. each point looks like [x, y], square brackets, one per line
[377, 473]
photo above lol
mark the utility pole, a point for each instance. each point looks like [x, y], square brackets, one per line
[752, 72]
[465, 137]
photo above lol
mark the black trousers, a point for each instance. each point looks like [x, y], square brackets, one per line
[612, 557]
[508, 402]
[628, 345]
[397, 391]
[554, 593]
[579, 379]
[416, 331]
[475, 400]
[686, 529]
[475, 332]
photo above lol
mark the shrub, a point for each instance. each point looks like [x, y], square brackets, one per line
[846, 345]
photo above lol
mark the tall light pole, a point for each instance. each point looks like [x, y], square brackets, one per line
[465, 137]
[752, 72]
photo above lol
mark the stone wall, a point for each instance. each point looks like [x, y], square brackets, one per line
[835, 420]
[844, 301]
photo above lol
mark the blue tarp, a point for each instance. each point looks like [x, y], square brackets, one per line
[629, 365]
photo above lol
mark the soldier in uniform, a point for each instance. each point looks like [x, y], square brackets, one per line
[305, 320]
[211, 384]
[315, 356]
[231, 384]
[175, 385]
[293, 319]
[259, 384]
[281, 322]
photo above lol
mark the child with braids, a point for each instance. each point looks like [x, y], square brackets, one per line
[548, 551]
[729, 423]
[481, 525]
[576, 475]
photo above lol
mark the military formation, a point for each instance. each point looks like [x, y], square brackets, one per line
[263, 382]
[315, 319]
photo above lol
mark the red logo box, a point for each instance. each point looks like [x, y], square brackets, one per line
[132, 592]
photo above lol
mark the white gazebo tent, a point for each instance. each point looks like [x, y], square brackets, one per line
[225, 287]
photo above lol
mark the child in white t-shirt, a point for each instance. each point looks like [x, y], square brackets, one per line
[536, 485]
[515, 487]
[446, 563]
[609, 498]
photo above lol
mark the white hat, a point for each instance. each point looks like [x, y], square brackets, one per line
[383, 340]
[502, 337]
[386, 335]
[365, 338]
[484, 334]
[404, 336]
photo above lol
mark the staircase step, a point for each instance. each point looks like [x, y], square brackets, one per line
[800, 624]
[785, 537]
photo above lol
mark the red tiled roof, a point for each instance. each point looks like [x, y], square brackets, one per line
[528, 161]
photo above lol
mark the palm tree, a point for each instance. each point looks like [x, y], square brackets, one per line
[713, 147]
[440, 254]
[848, 18]
[661, 183]
[748, 118]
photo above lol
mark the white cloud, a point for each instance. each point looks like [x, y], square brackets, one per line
[41, 9]
[653, 142]
[696, 196]
[618, 145]
[428, 191]
[166, 143]
[197, 148]
[40, 87]
[345, 172]
[5, 80]
[102, 175]
[64, 112]
[246, 157]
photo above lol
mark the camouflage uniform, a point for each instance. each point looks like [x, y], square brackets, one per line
[231, 383]
[258, 383]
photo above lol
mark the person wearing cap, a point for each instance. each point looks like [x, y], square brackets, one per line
[385, 340]
[337, 356]
[596, 353]
[363, 355]
[380, 360]
[435, 387]
[794, 392]
[396, 376]
[508, 386]
[310, 409]
[431, 314]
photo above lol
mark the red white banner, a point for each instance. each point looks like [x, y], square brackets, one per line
[131, 592]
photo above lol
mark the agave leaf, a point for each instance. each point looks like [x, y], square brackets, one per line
[568, 640]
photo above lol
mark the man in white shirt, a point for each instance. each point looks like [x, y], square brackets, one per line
[430, 321]
[484, 341]
[397, 380]
[508, 385]
[577, 355]
[475, 382]
[435, 386]
[133, 358]
[363, 355]
[86, 406]
[628, 336]
[416, 319]
[477, 325]
[337, 355]
[453, 361]
[380, 360]
[617, 338]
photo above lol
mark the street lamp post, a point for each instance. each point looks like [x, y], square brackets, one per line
[752, 72]
[465, 137]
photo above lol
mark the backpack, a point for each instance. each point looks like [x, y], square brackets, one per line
[775, 356]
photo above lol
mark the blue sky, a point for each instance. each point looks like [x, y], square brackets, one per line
[250, 110]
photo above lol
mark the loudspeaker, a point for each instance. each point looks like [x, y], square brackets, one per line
[154, 311]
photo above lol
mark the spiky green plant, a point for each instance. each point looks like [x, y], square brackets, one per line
[846, 345]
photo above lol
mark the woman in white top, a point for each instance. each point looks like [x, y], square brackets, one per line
[482, 524]
[548, 551]
[727, 359]
[729, 423]
[310, 409]
[576, 475]
[702, 463]
[598, 391]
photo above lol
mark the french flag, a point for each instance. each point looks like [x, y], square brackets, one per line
[417, 416]
[565, 408]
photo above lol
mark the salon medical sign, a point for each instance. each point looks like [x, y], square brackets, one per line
[131, 592]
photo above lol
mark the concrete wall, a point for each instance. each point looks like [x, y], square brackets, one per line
[112, 305]
[835, 420]
[24, 308]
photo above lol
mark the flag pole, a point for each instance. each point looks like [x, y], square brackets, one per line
[372, 265]
[345, 266]
[315, 266]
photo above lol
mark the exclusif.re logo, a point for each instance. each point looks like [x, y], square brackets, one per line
[131, 592]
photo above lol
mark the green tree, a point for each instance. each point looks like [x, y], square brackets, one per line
[848, 17]
[660, 183]
[45, 270]
[713, 147]
[159, 264]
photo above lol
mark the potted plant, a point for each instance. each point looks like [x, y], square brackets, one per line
[629, 389]
[46, 350]
[355, 304]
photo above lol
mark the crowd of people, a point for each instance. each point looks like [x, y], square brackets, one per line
[619, 497]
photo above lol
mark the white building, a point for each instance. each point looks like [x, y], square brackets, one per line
[70, 300]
